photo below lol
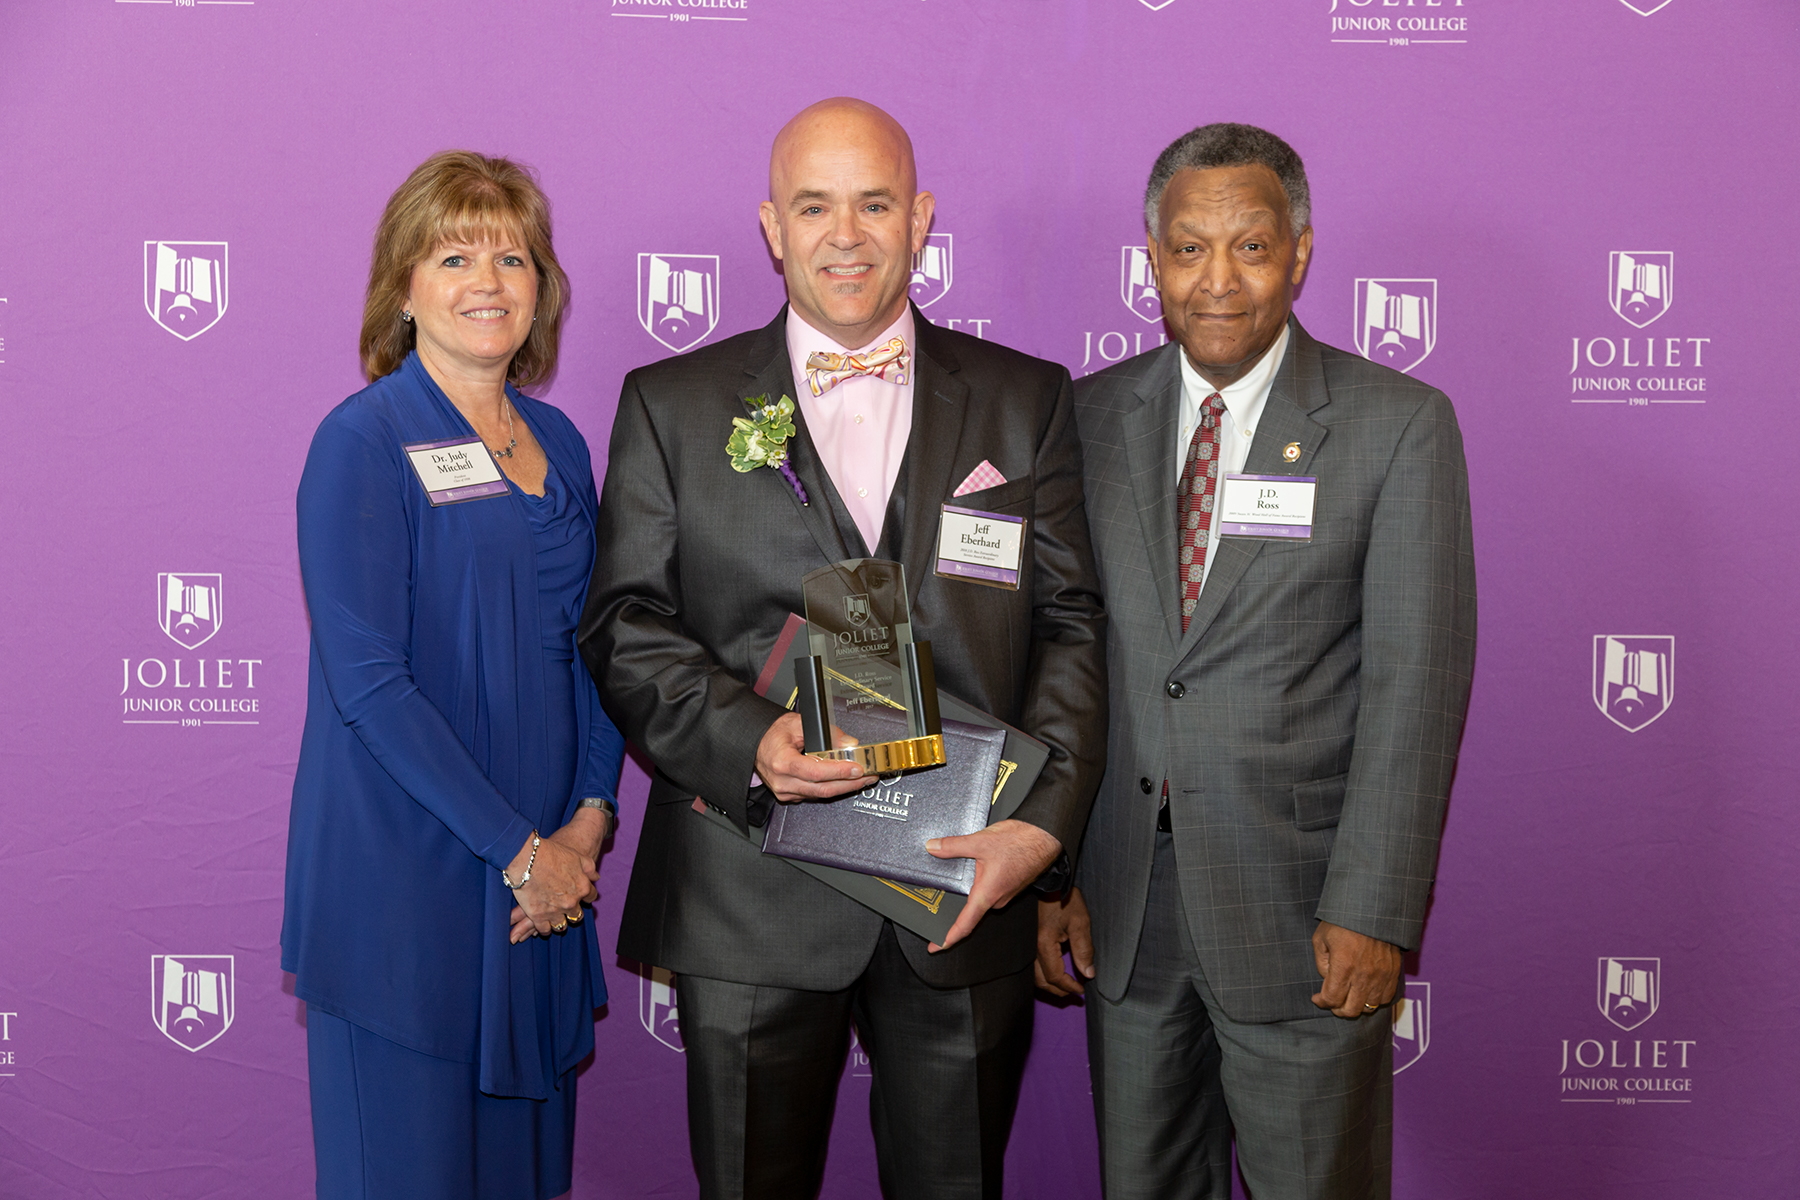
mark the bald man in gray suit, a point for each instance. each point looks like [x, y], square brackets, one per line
[698, 566]
[1285, 713]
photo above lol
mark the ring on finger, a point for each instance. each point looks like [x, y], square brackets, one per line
[1369, 1008]
[559, 927]
[575, 917]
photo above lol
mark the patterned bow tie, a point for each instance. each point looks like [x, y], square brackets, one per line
[825, 370]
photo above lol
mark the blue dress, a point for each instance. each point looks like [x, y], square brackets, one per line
[448, 715]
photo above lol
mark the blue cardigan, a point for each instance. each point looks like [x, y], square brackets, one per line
[421, 767]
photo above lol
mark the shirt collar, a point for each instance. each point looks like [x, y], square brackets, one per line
[1243, 399]
[803, 340]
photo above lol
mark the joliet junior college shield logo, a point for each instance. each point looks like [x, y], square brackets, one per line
[1396, 321]
[185, 286]
[678, 298]
[856, 609]
[1634, 678]
[1137, 283]
[1412, 1024]
[1643, 284]
[1629, 990]
[931, 271]
[192, 997]
[190, 606]
[656, 1007]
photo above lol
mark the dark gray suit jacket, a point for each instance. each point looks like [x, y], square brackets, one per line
[698, 567]
[1322, 686]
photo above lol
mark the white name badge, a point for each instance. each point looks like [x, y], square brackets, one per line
[456, 470]
[1268, 506]
[980, 547]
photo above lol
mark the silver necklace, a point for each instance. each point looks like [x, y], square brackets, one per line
[511, 441]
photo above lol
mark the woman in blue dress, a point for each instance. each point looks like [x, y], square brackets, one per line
[456, 772]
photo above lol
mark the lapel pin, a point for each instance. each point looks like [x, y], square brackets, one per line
[1291, 452]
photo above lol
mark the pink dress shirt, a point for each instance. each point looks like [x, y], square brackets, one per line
[860, 426]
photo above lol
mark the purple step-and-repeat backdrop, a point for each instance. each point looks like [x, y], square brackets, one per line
[1575, 216]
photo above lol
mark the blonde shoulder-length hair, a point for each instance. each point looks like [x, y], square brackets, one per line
[461, 197]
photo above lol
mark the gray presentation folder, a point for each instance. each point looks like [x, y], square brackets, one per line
[882, 830]
[927, 911]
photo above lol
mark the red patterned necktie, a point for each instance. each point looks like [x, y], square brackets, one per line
[1194, 502]
[825, 370]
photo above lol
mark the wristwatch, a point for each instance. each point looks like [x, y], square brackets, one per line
[604, 805]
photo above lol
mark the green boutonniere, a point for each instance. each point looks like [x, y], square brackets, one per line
[760, 440]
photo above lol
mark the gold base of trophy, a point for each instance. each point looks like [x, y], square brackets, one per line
[888, 758]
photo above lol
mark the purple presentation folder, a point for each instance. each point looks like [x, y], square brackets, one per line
[882, 830]
[928, 911]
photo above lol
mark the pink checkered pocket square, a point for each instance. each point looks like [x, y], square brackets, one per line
[983, 476]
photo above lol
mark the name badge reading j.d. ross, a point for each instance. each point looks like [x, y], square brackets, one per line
[1268, 506]
[457, 470]
[980, 547]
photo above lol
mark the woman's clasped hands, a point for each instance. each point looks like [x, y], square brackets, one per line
[562, 879]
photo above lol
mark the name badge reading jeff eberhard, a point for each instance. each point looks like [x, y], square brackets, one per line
[980, 547]
[456, 470]
[1268, 506]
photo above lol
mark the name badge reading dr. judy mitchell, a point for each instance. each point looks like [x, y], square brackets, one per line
[455, 470]
[980, 547]
[1268, 506]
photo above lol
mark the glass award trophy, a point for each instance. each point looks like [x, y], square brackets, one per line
[866, 675]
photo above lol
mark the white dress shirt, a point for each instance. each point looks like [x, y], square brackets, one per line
[1244, 402]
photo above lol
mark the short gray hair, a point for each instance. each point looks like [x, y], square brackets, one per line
[1229, 145]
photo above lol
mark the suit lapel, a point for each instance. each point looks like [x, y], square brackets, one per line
[772, 375]
[1298, 390]
[1149, 435]
[940, 404]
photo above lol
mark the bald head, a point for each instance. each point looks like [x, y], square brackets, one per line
[840, 123]
[845, 216]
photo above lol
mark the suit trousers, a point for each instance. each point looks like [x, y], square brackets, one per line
[1311, 1100]
[764, 1062]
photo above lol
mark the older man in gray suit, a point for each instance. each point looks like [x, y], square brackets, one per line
[1285, 713]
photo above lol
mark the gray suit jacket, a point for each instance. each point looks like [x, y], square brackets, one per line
[696, 570]
[1321, 686]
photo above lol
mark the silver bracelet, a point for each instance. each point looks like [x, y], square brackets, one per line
[524, 879]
